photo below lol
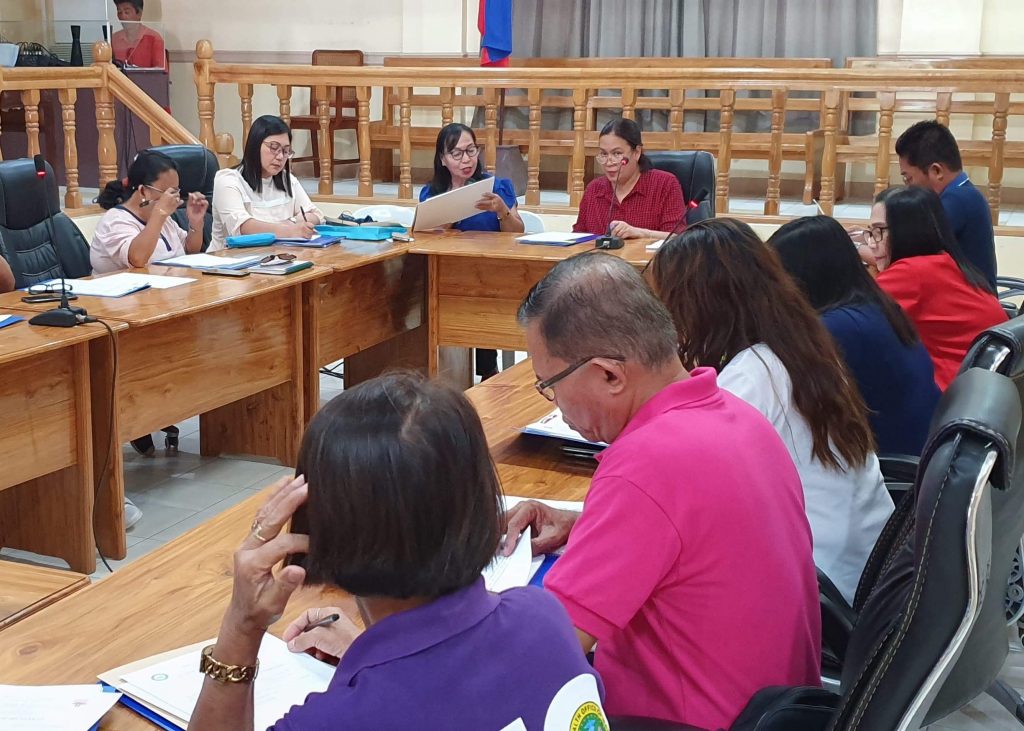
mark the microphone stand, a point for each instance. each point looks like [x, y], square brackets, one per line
[608, 241]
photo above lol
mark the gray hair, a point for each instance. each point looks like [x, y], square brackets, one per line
[596, 304]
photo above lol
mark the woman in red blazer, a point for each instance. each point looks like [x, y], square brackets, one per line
[921, 266]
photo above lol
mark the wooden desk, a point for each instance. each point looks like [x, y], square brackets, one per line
[46, 438]
[228, 349]
[477, 281]
[24, 589]
[177, 594]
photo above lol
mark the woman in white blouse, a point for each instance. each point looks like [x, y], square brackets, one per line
[261, 195]
[737, 310]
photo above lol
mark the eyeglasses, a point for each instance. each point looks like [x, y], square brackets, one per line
[546, 388]
[269, 258]
[878, 233]
[460, 153]
[51, 288]
[606, 157]
[276, 149]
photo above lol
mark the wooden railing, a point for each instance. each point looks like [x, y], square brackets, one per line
[107, 84]
[624, 89]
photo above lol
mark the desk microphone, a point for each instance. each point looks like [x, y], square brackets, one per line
[608, 241]
[65, 315]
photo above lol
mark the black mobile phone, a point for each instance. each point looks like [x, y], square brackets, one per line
[299, 524]
[225, 272]
[34, 299]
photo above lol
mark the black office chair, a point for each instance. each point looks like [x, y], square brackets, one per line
[197, 167]
[695, 171]
[919, 611]
[27, 217]
[1007, 289]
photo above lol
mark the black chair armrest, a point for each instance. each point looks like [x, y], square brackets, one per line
[636, 723]
[785, 708]
[899, 472]
[837, 619]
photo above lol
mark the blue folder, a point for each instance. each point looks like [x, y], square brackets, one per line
[6, 320]
[538, 578]
[146, 713]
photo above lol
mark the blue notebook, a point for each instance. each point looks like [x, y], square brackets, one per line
[554, 238]
[6, 320]
[146, 713]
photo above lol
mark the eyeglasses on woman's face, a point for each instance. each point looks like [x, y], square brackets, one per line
[458, 154]
[877, 233]
[615, 158]
[277, 149]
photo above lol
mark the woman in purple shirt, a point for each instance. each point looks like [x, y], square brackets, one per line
[401, 510]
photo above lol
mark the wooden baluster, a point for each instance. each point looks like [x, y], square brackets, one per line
[579, 149]
[447, 105]
[726, 105]
[72, 197]
[324, 141]
[363, 136]
[771, 203]
[405, 143]
[533, 153]
[284, 100]
[828, 155]
[676, 100]
[245, 93]
[1000, 109]
[943, 102]
[628, 102]
[204, 93]
[490, 129]
[224, 149]
[886, 105]
[155, 138]
[106, 146]
[30, 100]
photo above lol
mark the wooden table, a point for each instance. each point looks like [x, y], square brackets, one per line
[228, 349]
[47, 483]
[176, 595]
[24, 589]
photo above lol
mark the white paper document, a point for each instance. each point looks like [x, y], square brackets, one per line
[555, 237]
[196, 261]
[53, 707]
[115, 285]
[451, 206]
[553, 425]
[510, 572]
[155, 281]
[655, 245]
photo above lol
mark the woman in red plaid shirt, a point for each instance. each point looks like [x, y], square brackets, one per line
[646, 203]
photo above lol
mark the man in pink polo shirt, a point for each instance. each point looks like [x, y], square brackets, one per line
[690, 566]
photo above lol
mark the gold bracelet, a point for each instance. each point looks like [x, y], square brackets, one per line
[224, 673]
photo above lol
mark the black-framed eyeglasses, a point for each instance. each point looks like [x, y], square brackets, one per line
[472, 152]
[276, 149]
[50, 288]
[546, 388]
[270, 258]
[877, 233]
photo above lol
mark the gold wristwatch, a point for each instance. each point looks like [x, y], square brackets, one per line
[224, 673]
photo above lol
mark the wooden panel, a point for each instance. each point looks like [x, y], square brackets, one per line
[483, 277]
[24, 589]
[477, 322]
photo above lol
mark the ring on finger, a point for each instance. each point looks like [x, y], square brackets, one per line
[257, 526]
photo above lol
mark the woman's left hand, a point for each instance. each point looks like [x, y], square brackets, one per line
[259, 596]
[492, 202]
[624, 231]
[197, 208]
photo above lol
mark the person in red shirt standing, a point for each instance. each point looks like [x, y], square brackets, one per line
[136, 45]
[631, 200]
[922, 267]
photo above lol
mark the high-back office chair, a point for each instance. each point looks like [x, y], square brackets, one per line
[197, 167]
[917, 617]
[1008, 290]
[344, 98]
[28, 214]
[695, 171]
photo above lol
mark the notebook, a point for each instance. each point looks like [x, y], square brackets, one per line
[209, 261]
[555, 238]
[451, 206]
[286, 267]
[553, 425]
[114, 285]
[6, 320]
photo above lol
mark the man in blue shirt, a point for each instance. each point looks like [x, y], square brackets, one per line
[930, 157]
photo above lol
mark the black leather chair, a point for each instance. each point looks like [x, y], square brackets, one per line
[696, 174]
[197, 167]
[28, 215]
[1009, 289]
[922, 599]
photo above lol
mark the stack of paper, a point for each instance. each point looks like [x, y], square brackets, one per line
[655, 245]
[555, 238]
[209, 261]
[168, 685]
[120, 284]
[53, 707]
[553, 425]
[452, 206]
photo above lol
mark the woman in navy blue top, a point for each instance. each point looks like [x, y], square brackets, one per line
[457, 163]
[879, 344]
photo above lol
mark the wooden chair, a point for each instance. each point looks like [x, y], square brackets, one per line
[344, 98]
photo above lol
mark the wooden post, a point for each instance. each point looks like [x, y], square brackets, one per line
[106, 146]
[245, 94]
[676, 100]
[886, 105]
[771, 203]
[284, 101]
[73, 197]
[447, 105]
[579, 146]
[30, 100]
[324, 141]
[943, 102]
[490, 129]
[533, 153]
[1000, 109]
[828, 156]
[726, 105]
[204, 93]
[405, 143]
[628, 102]
[363, 135]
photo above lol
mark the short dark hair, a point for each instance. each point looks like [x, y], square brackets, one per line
[819, 255]
[251, 166]
[596, 304]
[404, 499]
[918, 226]
[147, 166]
[628, 130]
[137, 4]
[447, 139]
[929, 142]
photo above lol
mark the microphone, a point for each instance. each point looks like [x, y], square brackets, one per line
[65, 315]
[692, 205]
[608, 241]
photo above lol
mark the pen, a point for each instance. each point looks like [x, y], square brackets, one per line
[329, 619]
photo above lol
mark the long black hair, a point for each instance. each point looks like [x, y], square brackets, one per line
[251, 167]
[628, 130]
[447, 139]
[918, 226]
[147, 166]
[818, 254]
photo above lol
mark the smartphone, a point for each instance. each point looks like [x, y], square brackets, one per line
[299, 524]
[404, 238]
[34, 299]
[225, 272]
